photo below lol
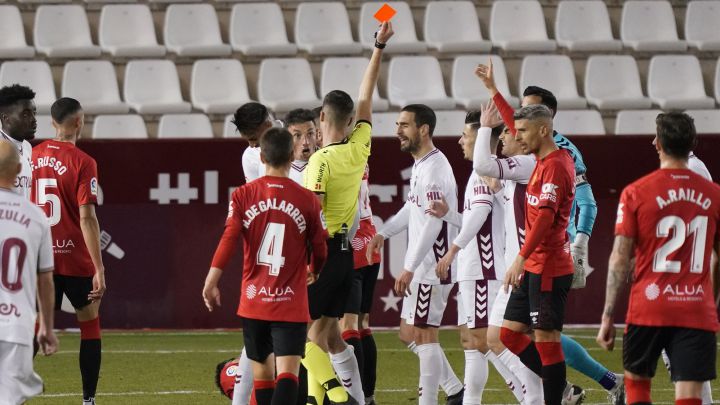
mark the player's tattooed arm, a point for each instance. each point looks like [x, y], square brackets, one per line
[618, 272]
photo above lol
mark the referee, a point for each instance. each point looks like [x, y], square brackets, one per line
[334, 173]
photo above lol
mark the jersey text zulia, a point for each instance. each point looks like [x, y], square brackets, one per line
[672, 215]
[65, 178]
[277, 220]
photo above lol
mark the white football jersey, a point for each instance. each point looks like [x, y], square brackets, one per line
[25, 250]
[515, 173]
[432, 179]
[697, 166]
[297, 171]
[24, 179]
[251, 163]
[482, 258]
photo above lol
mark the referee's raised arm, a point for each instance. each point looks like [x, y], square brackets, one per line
[363, 111]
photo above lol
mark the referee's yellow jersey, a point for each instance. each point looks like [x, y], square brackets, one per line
[336, 170]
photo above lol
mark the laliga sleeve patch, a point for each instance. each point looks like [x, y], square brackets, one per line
[323, 221]
[94, 186]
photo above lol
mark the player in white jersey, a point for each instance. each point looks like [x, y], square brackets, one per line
[251, 121]
[27, 263]
[17, 114]
[425, 295]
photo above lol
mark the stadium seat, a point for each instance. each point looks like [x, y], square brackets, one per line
[12, 35]
[153, 87]
[34, 74]
[453, 26]
[675, 81]
[417, 79]
[127, 30]
[468, 90]
[44, 129]
[449, 123]
[717, 81]
[109, 1]
[94, 85]
[218, 86]
[62, 31]
[259, 29]
[286, 83]
[185, 126]
[324, 29]
[43, 1]
[384, 124]
[507, 17]
[706, 121]
[194, 30]
[579, 122]
[649, 25]
[612, 82]
[636, 122]
[229, 129]
[584, 26]
[555, 73]
[405, 39]
[701, 25]
[346, 74]
[128, 126]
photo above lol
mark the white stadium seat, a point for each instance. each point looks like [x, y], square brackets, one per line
[405, 39]
[584, 26]
[128, 30]
[417, 79]
[229, 129]
[62, 31]
[453, 26]
[218, 86]
[706, 121]
[324, 29]
[554, 73]
[43, 1]
[519, 25]
[128, 126]
[185, 126]
[194, 30]
[636, 122]
[34, 74]
[717, 82]
[649, 25]
[675, 81]
[153, 87]
[449, 123]
[94, 85]
[286, 83]
[384, 124]
[12, 35]
[579, 122]
[259, 29]
[346, 74]
[468, 90]
[702, 30]
[612, 82]
[44, 130]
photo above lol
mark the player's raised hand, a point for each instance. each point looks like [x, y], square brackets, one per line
[402, 283]
[99, 286]
[375, 245]
[48, 341]
[514, 273]
[384, 32]
[487, 75]
[490, 116]
[439, 208]
[606, 335]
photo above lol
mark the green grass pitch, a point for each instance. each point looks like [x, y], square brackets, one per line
[177, 368]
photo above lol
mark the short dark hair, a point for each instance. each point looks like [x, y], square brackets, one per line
[218, 372]
[299, 116]
[64, 108]
[339, 106]
[249, 117]
[276, 147]
[546, 97]
[9, 95]
[676, 134]
[472, 118]
[423, 115]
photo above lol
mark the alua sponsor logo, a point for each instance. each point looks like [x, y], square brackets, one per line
[269, 293]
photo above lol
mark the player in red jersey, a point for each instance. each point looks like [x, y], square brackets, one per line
[65, 186]
[277, 220]
[542, 272]
[670, 218]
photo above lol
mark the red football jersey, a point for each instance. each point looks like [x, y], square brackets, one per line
[673, 215]
[277, 220]
[65, 178]
[551, 186]
[366, 228]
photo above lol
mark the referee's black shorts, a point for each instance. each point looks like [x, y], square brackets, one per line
[328, 295]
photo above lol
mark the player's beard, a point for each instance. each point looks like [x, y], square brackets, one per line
[410, 146]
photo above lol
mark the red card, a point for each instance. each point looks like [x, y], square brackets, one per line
[385, 13]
